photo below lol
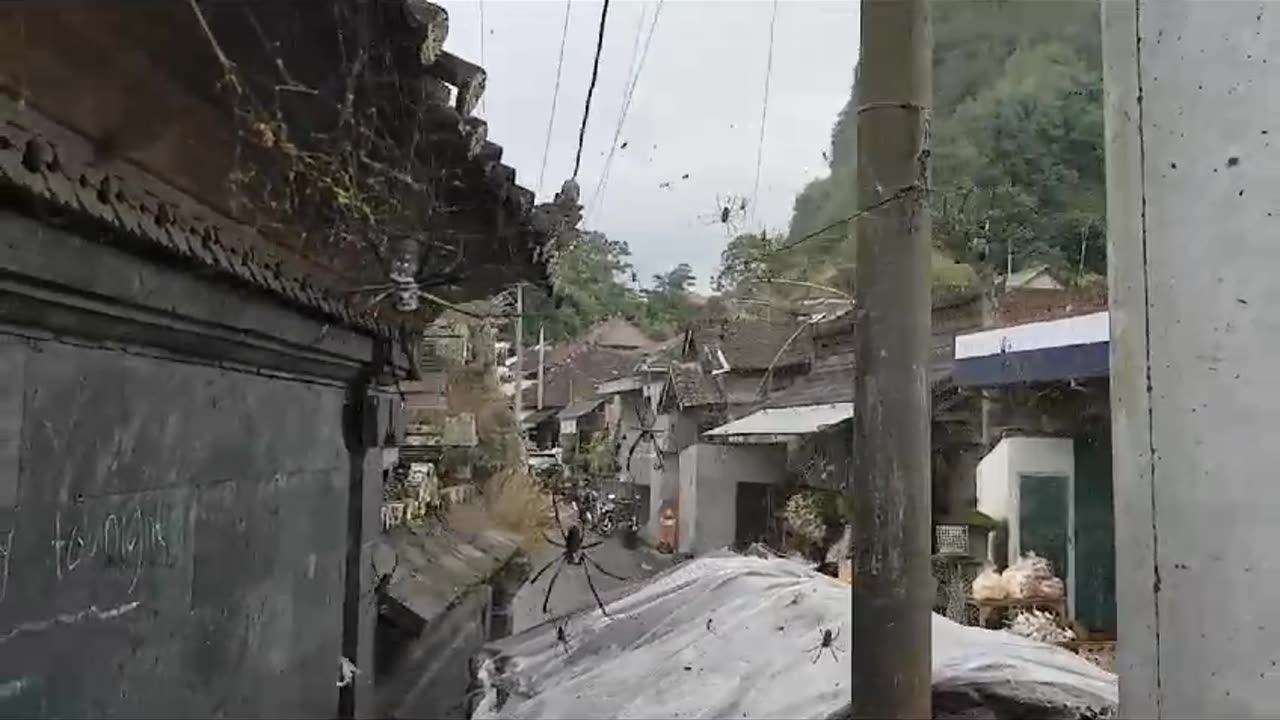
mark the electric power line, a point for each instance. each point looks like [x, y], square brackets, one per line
[764, 109]
[626, 104]
[591, 88]
[626, 97]
[482, 32]
[555, 95]
[792, 244]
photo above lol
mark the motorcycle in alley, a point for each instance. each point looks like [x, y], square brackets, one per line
[615, 513]
[596, 513]
[604, 514]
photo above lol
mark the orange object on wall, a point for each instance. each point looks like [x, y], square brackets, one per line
[667, 526]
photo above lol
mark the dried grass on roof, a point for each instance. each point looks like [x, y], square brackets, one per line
[516, 502]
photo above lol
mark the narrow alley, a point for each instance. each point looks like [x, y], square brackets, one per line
[571, 592]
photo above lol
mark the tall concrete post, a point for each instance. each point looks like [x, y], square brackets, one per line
[890, 487]
[1193, 158]
[518, 401]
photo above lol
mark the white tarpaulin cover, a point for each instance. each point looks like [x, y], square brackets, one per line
[730, 636]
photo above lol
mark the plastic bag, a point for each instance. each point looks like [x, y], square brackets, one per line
[989, 585]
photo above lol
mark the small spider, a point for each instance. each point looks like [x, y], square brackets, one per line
[828, 643]
[730, 211]
[562, 638]
[573, 553]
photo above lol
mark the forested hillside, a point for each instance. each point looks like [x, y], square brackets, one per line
[594, 279]
[1017, 179]
[1017, 156]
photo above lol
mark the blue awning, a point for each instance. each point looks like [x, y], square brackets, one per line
[1056, 350]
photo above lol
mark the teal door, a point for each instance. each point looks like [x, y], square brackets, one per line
[1044, 512]
[1095, 541]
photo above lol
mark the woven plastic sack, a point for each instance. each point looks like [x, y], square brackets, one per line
[989, 585]
[1023, 578]
[1051, 589]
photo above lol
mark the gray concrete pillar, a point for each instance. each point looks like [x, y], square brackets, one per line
[1191, 107]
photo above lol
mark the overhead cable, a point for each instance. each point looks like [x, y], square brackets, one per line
[591, 88]
[482, 33]
[764, 109]
[555, 95]
[626, 105]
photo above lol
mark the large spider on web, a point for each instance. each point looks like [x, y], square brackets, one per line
[573, 552]
[647, 432]
[731, 211]
[409, 284]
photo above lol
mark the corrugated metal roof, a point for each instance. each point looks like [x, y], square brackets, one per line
[437, 568]
[537, 416]
[801, 420]
[579, 408]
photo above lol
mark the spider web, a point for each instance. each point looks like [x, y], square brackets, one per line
[349, 156]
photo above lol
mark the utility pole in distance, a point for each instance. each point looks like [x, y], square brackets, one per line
[890, 485]
[518, 402]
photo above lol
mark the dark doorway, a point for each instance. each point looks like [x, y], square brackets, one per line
[640, 504]
[753, 512]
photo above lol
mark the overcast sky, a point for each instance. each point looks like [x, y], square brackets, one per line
[695, 110]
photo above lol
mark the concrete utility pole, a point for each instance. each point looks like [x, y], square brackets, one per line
[542, 360]
[889, 490]
[519, 399]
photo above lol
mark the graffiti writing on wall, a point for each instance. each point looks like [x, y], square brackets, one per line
[124, 540]
[23, 696]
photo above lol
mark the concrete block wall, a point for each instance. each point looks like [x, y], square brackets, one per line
[176, 499]
[709, 477]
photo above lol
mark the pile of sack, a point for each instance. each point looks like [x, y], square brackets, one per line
[1030, 578]
[1040, 625]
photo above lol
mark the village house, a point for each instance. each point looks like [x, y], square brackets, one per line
[560, 404]
[804, 430]
[1033, 277]
[715, 371]
[1043, 365]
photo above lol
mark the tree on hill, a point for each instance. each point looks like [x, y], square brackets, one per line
[1017, 176]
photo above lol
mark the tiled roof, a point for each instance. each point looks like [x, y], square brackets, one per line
[175, 210]
[752, 344]
[576, 376]
[1025, 305]
[578, 408]
[1026, 275]
[693, 387]
[832, 379]
[828, 386]
[614, 333]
